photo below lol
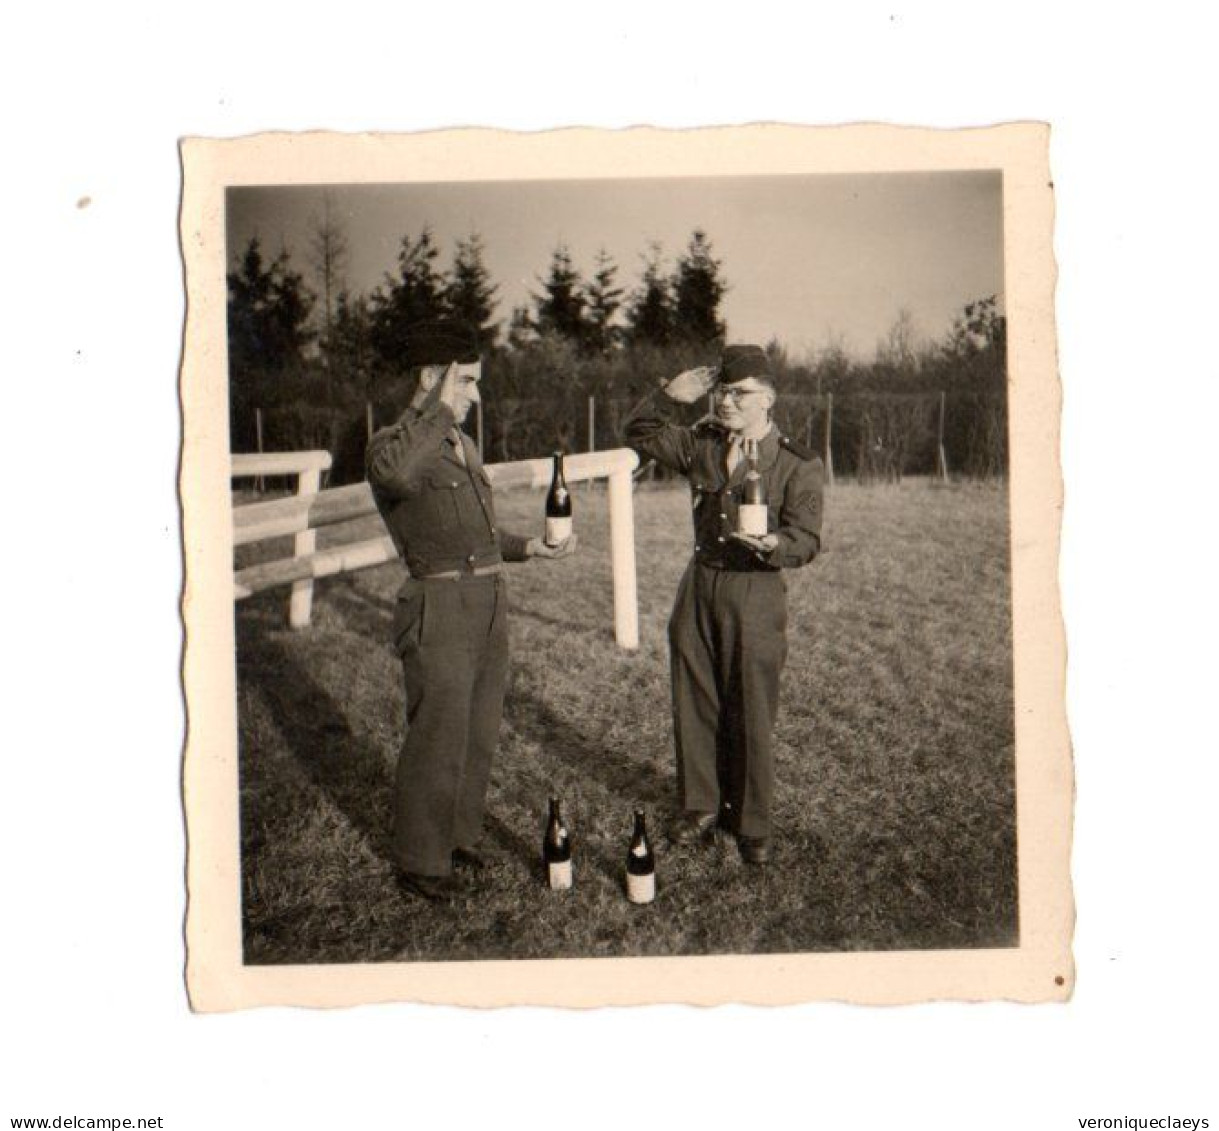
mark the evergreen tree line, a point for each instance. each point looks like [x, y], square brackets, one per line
[318, 360]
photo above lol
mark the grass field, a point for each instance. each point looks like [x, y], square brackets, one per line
[895, 804]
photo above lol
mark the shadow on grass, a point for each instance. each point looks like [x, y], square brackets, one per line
[363, 613]
[516, 847]
[576, 755]
[370, 614]
[599, 629]
[349, 770]
[354, 775]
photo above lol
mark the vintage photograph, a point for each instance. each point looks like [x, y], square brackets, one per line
[622, 566]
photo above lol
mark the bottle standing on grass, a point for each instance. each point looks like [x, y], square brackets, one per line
[640, 865]
[556, 850]
[753, 514]
[558, 505]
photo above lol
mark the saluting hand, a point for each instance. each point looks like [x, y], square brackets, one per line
[448, 388]
[537, 548]
[691, 384]
[443, 391]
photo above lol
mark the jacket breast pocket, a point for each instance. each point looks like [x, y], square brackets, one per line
[445, 491]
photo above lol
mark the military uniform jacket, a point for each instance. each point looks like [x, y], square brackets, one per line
[794, 478]
[436, 504]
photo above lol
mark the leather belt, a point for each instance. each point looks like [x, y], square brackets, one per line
[721, 567]
[458, 574]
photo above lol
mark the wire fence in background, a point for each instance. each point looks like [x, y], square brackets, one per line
[873, 437]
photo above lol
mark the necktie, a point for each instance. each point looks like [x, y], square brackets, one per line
[735, 444]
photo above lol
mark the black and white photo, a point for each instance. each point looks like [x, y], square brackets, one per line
[763, 654]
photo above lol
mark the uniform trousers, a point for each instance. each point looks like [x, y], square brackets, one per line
[728, 644]
[452, 637]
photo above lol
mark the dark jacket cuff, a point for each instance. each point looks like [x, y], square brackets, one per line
[513, 547]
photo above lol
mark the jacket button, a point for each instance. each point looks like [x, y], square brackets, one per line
[470, 559]
[454, 482]
[698, 547]
[724, 517]
[720, 538]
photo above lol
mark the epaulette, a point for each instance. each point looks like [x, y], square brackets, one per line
[796, 448]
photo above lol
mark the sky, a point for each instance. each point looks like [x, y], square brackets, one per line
[809, 260]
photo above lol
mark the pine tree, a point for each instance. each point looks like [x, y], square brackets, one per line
[268, 313]
[560, 308]
[650, 313]
[349, 350]
[603, 300]
[415, 294]
[470, 294]
[698, 290]
[521, 330]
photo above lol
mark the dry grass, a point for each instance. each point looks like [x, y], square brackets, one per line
[895, 795]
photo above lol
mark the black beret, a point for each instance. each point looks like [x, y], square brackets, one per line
[440, 342]
[741, 362]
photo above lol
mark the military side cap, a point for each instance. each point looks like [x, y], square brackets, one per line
[440, 342]
[742, 362]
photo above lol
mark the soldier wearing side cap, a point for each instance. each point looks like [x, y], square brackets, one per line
[449, 627]
[728, 630]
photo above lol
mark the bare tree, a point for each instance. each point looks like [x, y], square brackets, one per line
[328, 253]
[898, 349]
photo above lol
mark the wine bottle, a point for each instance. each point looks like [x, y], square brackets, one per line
[640, 865]
[558, 505]
[556, 850]
[753, 513]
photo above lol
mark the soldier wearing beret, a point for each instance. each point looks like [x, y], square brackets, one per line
[449, 627]
[728, 630]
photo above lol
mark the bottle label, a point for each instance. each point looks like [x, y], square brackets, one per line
[559, 875]
[641, 889]
[752, 519]
[557, 530]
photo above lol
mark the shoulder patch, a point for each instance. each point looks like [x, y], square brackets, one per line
[796, 448]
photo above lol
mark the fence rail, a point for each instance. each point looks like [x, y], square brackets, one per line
[303, 514]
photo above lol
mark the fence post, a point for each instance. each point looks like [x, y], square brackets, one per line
[941, 455]
[300, 604]
[829, 428]
[259, 483]
[590, 486]
[622, 559]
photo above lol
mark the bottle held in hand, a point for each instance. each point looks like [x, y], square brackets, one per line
[753, 514]
[558, 505]
[556, 850]
[640, 865]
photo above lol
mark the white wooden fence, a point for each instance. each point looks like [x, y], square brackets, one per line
[302, 514]
[308, 468]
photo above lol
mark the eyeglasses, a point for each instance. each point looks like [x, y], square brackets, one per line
[735, 394]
